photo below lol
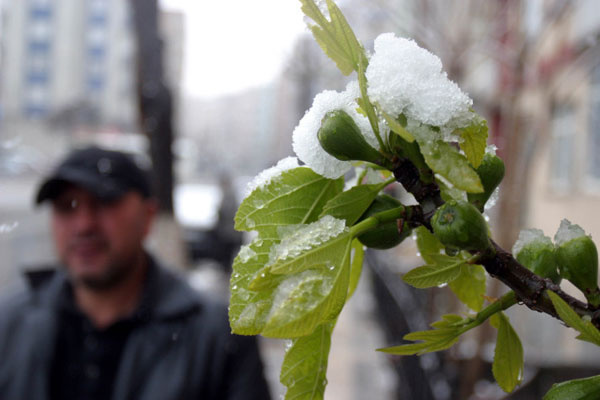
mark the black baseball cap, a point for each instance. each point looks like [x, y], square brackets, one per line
[108, 174]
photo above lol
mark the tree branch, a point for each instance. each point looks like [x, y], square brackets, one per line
[529, 288]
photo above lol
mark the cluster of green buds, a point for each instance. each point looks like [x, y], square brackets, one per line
[537, 253]
[573, 256]
[457, 224]
[341, 137]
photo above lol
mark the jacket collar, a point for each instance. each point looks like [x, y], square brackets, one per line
[165, 294]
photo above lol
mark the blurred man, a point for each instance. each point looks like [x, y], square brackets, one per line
[113, 323]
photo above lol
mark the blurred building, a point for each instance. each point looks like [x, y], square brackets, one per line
[69, 60]
[565, 99]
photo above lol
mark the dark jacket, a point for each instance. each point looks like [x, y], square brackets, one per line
[183, 351]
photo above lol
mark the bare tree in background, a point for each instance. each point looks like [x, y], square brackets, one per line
[154, 100]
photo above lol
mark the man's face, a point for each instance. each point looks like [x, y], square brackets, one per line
[100, 242]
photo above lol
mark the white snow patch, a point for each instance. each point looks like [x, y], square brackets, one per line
[305, 237]
[296, 294]
[491, 149]
[246, 254]
[529, 236]
[567, 231]
[493, 200]
[405, 78]
[269, 174]
[306, 143]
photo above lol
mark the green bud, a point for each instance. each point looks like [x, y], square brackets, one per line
[387, 234]
[577, 258]
[491, 173]
[340, 137]
[460, 224]
[536, 252]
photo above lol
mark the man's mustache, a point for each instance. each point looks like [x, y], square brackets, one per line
[87, 240]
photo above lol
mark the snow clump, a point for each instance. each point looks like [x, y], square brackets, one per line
[269, 174]
[567, 231]
[306, 143]
[405, 78]
[528, 236]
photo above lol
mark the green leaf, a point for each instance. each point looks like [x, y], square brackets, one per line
[445, 335]
[297, 196]
[306, 299]
[304, 366]
[449, 192]
[449, 321]
[445, 160]
[352, 203]
[302, 247]
[474, 140]
[248, 309]
[358, 255]
[578, 389]
[470, 285]
[335, 36]
[588, 331]
[326, 255]
[508, 356]
[428, 244]
[444, 270]
[397, 127]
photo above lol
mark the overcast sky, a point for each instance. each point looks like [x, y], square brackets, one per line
[235, 44]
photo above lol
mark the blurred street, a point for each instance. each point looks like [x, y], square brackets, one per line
[24, 235]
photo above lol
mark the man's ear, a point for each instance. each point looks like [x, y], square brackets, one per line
[150, 210]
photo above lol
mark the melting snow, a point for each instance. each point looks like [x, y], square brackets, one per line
[266, 176]
[246, 254]
[306, 143]
[296, 241]
[529, 236]
[405, 78]
[567, 232]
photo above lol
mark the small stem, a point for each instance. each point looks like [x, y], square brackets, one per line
[362, 83]
[387, 182]
[376, 219]
[361, 176]
[505, 302]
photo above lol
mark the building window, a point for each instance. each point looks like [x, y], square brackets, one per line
[95, 83]
[37, 77]
[36, 100]
[96, 51]
[96, 41]
[39, 46]
[593, 145]
[37, 67]
[563, 147]
[40, 9]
